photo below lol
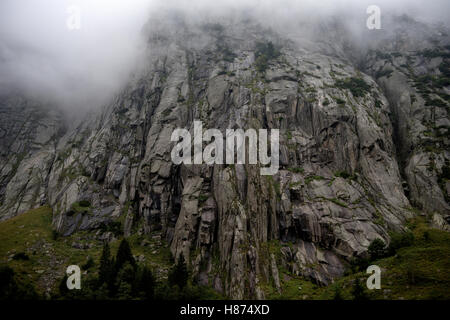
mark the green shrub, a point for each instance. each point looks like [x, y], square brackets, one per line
[84, 203]
[82, 207]
[264, 53]
[89, 264]
[55, 235]
[377, 249]
[359, 264]
[202, 198]
[357, 86]
[338, 202]
[434, 53]
[112, 226]
[312, 178]
[21, 256]
[358, 291]
[400, 240]
[297, 170]
[337, 294]
[340, 101]
[178, 275]
[343, 174]
[12, 289]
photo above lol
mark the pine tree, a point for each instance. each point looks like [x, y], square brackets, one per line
[7, 283]
[358, 291]
[337, 294]
[179, 274]
[145, 284]
[12, 288]
[105, 271]
[63, 290]
[124, 281]
[124, 255]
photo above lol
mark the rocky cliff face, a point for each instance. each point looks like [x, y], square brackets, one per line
[363, 141]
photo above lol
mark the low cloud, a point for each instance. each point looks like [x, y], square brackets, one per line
[81, 69]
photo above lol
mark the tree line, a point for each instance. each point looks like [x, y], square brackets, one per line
[120, 277]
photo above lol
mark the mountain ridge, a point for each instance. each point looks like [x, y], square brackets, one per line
[359, 149]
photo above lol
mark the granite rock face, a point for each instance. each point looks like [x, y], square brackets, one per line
[413, 72]
[28, 136]
[359, 147]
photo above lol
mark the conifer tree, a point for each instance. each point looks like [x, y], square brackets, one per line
[179, 274]
[124, 255]
[145, 283]
[358, 291]
[124, 281]
[105, 271]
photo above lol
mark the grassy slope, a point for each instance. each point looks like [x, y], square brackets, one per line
[421, 271]
[31, 233]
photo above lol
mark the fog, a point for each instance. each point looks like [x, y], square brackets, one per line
[74, 68]
[45, 55]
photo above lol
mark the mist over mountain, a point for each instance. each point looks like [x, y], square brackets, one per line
[86, 123]
[82, 69]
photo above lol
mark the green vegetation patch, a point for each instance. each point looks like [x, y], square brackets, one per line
[30, 254]
[297, 170]
[312, 178]
[264, 53]
[416, 265]
[357, 86]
